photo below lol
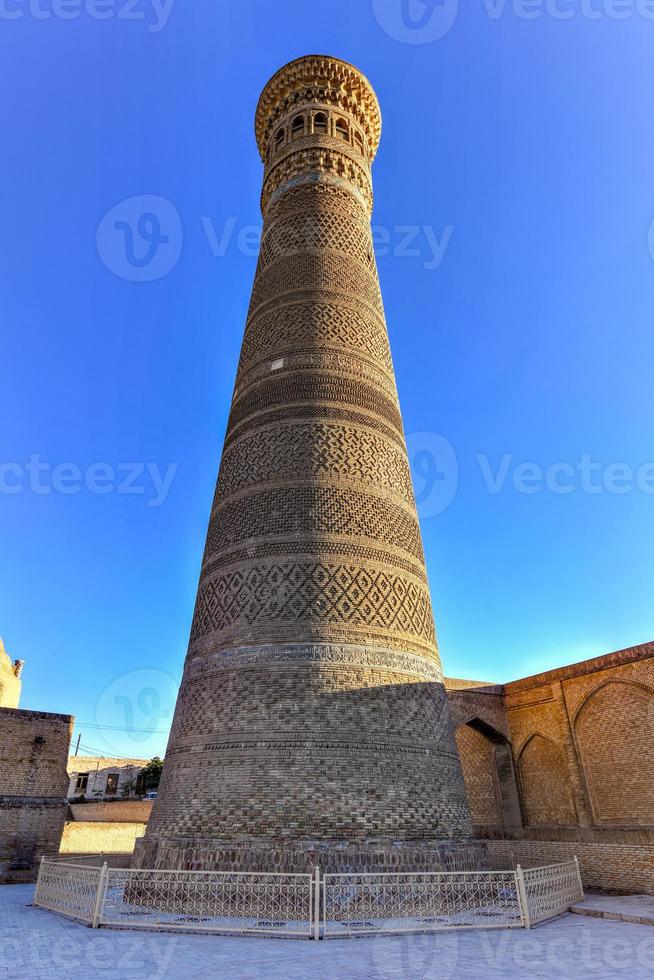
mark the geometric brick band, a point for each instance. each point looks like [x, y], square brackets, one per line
[290, 592]
[318, 387]
[293, 452]
[306, 509]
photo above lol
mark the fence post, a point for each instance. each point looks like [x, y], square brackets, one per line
[35, 900]
[99, 896]
[316, 904]
[581, 883]
[522, 896]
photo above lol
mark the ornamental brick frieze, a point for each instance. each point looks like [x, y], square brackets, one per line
[389, 661]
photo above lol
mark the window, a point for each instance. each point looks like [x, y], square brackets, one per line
[112, 784]
[342, 130]
[82, 782]
[358, 139]
[320, 123]
[279, 137]
[297, 126]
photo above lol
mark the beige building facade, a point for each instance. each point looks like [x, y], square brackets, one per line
[97, 779]
[10, 682]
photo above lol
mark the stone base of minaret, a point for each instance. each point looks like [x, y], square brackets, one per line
[301, 857]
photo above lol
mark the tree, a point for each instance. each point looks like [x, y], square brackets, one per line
[150, 775]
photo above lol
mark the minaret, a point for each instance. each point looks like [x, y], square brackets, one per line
[312, 723]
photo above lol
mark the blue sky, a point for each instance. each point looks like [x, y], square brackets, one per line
[514, 201]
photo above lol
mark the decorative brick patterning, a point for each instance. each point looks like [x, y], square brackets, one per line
[477, 754]
[545, 785]
[312, 723]
[572, 752]
[615, 733]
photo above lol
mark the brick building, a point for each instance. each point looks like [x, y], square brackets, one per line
[563, 763]
[33, 751]
[34, 747]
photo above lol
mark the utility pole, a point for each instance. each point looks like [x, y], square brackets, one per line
[79, 739]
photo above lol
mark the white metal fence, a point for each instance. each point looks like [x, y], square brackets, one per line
[307, 905]
[550, 891]
[209, 901]
[70, 889]
[358, 904]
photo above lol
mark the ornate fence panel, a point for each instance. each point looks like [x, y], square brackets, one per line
[381, 903]
[209, 901]
[304, 905]
[551, 890]
[70, 889]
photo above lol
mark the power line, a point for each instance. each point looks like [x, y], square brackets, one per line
[121, 728]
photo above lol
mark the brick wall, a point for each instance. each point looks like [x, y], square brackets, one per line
[580, 747]
[33, 781]
[598, 719]
[626, 868]
[95, 838]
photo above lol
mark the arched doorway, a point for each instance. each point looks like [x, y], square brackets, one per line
[489, 776]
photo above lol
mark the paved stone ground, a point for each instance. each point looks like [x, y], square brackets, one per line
[37, 945]
[628, 908]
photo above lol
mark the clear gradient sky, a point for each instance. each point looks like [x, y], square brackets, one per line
[517, 154]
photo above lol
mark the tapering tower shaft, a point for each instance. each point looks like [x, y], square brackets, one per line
[312, 719]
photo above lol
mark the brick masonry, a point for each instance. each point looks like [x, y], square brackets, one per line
[312, 722]
[612, 867]
[563, 762]
[33, 808]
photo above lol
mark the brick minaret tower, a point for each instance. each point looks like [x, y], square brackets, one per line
[312, 723]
